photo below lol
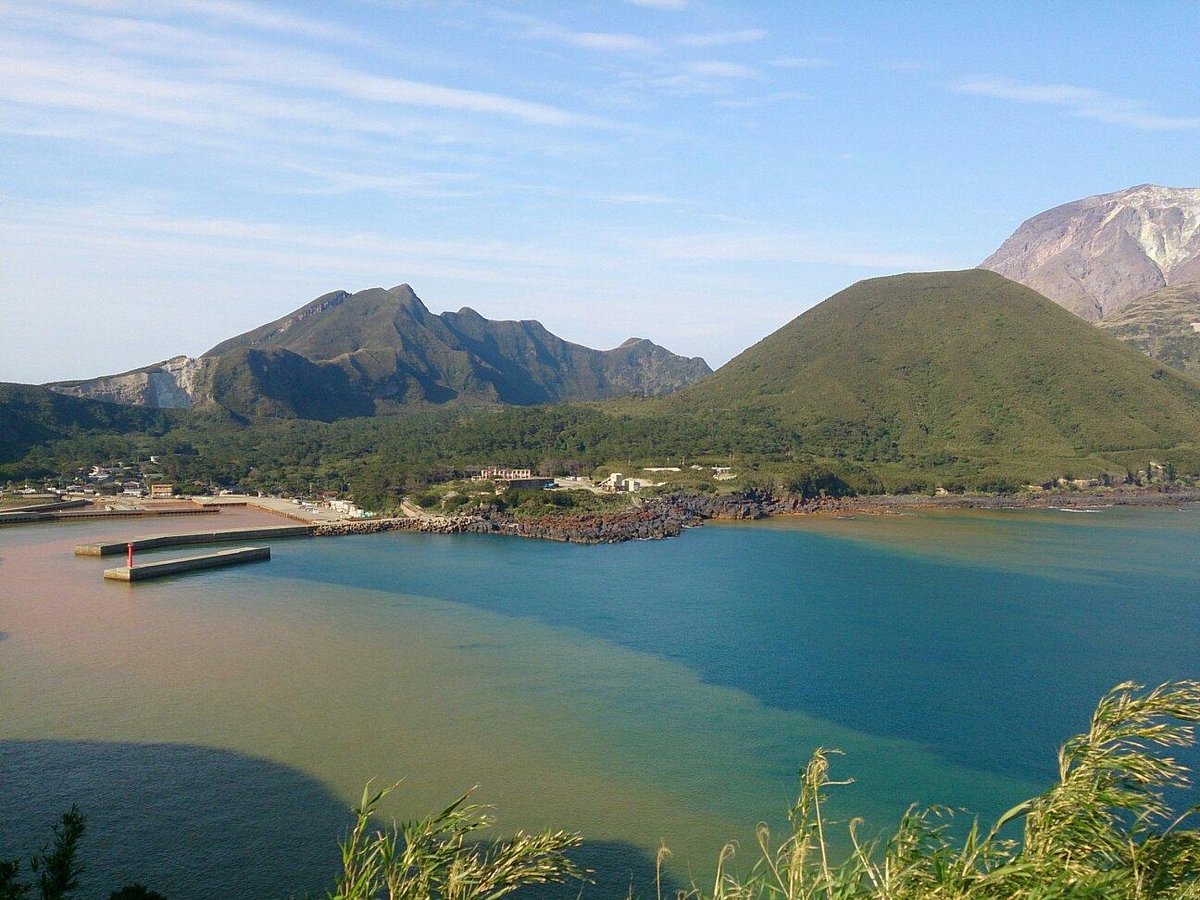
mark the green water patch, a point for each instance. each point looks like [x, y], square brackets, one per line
[991, 667]
[641, 693]
[1089, 546]
[559, 728]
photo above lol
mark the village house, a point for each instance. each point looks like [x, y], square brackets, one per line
[498, 473]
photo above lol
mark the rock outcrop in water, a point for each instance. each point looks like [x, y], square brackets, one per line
[666, 517]
[650, 520]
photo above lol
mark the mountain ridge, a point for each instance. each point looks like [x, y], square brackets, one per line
[378, 350]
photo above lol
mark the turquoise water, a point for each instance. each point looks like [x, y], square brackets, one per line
[641, 692]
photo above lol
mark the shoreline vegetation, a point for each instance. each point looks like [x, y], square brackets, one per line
[668, 516]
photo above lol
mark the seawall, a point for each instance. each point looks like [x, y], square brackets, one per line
[147, 571]
[199, 537]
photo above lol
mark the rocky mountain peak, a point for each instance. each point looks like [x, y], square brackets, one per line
[1095, 255]
[379, 349]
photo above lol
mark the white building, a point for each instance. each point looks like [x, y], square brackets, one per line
[497, 473]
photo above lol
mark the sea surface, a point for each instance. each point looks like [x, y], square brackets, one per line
[216, 727]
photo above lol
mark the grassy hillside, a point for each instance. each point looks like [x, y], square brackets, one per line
[1160, 325]
[31, 416]
[927, 370]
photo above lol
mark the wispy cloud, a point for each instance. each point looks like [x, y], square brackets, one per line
[1083, 102]
[722, 38]
[606, 42]
[635, 199]
[777, 248]
[799, 62]
[224, 12]
[660, 4]
[762, 99]
[719, 69]
[412, 185]
[121, 45]
[114, 225]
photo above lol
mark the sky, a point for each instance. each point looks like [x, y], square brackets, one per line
[697, 172]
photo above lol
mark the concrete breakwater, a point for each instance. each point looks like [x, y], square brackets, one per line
[588, 528]
[198, 537]
[83, 515]
[181, 565]
[430, 525]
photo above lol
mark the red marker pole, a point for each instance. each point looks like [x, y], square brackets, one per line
[129, 554]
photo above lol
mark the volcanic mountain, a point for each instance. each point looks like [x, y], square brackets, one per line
[1096, 255]
[1164, 324]
[378, 350]
[953, 365]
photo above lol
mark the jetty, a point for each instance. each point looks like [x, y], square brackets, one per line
[198, 537]
[12, 517]
[146, 571]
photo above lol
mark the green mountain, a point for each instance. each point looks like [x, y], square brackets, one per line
[31, 415]
[380, 350]
[969, 368]
[1164, 324]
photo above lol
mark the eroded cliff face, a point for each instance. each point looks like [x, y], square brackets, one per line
[1094, 256]
[177, 383]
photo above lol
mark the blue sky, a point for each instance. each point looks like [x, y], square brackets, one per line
[698, 172]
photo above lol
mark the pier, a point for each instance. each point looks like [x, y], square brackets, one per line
[199, 537]
[146, 571]
[79, 515]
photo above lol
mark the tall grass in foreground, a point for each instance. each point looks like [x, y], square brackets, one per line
[431, 857]
[1104, 830]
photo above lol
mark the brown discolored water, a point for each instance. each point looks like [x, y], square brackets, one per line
[216, 726]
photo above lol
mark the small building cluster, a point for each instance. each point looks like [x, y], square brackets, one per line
[348, 509]
[505, 478]
[497, 473]
[617, 483]
[116, 479]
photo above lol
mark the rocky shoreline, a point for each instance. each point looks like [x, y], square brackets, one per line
[665, 517]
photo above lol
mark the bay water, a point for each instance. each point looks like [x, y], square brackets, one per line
[215, 728]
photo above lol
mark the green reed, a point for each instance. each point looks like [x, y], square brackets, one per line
[1104, 830]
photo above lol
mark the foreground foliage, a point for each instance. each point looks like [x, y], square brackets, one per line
[58, 869]
[1103, 831]
[430, 858]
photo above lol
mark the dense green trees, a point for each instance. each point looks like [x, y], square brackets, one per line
[376, 459]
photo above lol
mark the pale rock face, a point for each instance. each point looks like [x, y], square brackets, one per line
[1095, 255]
[174, 384]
